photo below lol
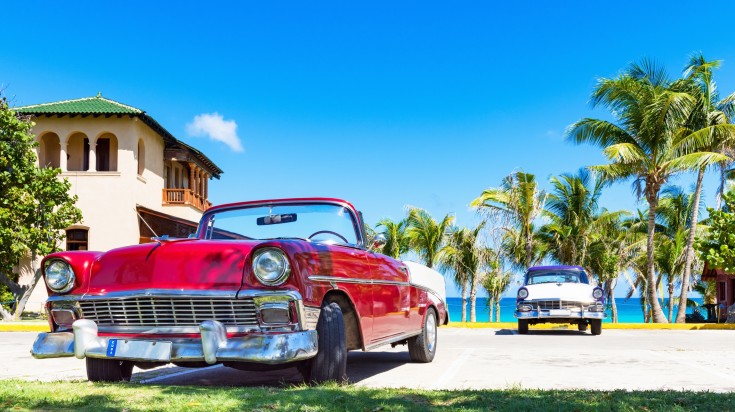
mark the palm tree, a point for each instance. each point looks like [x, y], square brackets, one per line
[572, 208]
[708, 129]
[465, 257]
[496, 283]
[425, 235]
[674, 215]
[612, 251]
[396, 240]
[519, 201]
[649, 110]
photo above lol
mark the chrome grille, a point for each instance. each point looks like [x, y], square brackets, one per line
[169, 311]
[557, 304]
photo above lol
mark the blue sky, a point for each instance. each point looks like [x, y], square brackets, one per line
[385, 104]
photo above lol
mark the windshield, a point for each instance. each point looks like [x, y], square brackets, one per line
[324, 223]
[536, 277]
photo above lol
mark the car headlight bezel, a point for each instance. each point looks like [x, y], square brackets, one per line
[522, 293]
[597, 293]
[273, 276]
[59, 275]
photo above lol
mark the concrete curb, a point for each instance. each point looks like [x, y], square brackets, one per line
[643, 326]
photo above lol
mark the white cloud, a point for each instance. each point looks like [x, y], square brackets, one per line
[214, 126]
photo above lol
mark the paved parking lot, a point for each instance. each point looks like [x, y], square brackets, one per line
[472, 358]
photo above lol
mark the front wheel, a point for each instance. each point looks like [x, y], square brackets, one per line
[422, 347]
[109, 370]
[596, 326]
[522, 326]
[330, 362]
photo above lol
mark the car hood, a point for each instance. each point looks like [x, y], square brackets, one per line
[185, 264]
[563, 291]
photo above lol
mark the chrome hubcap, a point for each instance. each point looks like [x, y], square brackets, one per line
[431, 331]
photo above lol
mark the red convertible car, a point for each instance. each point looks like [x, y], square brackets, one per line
[261, 285]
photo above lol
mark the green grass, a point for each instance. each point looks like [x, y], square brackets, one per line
[84, 396]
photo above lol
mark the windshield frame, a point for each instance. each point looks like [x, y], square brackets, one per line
[355, 216]
[584, 279]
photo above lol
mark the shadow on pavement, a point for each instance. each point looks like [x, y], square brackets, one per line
[360, 366]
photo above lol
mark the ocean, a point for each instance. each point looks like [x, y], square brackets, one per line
[629, 310]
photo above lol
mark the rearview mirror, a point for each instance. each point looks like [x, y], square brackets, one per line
[276, 219]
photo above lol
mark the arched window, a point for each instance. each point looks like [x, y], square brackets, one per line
[77, 239]
[106, 152]
[78, 153]
[141, 157]
[49, 151]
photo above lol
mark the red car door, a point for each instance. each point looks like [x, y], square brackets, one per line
[391, 297]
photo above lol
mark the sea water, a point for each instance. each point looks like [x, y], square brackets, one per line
[629, 310]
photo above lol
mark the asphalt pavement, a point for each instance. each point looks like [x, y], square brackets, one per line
[470, 359]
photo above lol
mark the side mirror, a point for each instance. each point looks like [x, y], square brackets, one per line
[379, 240]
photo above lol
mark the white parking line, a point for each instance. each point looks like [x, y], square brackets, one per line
[451, 372]
[173, 375]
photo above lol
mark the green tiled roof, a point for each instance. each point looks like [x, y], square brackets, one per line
[98, 105]
[87, 105]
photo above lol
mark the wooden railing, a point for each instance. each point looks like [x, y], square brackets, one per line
[185, 197]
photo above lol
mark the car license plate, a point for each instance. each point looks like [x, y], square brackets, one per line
[139, 349]
[560, 312]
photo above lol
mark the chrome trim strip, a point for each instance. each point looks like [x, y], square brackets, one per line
[321, 278]
[432, 291]
[163, 293]
[166, 330]
[255, 293]
[392, 339]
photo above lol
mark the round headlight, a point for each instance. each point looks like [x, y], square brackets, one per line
[597, 293]
[522, 293]
[59, 276]
[271, 266]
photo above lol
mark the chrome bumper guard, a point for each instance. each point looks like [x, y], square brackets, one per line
[214, 346]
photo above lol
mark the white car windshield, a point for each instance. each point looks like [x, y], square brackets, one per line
[324, 223]
[564, 276]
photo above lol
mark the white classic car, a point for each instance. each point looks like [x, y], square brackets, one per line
[559, 294]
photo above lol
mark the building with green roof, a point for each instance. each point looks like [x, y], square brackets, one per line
[134, 179]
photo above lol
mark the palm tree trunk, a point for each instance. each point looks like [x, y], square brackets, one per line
[671, 300]
[464, 302]
[681, 313]
[473, 300]
[490, 307]
[657, 313]
[611, 296]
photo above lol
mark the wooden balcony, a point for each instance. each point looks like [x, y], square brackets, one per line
[185, 197]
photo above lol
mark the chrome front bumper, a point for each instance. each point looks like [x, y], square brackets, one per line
[551, 314]
[213, 347]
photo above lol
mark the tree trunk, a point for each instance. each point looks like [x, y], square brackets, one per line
[671, 301]
[464, 303]
[490, 307]
[657, 313]
[28, 290]
[614, 307]
[473, 300]
[529, 248]
[681, 313]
